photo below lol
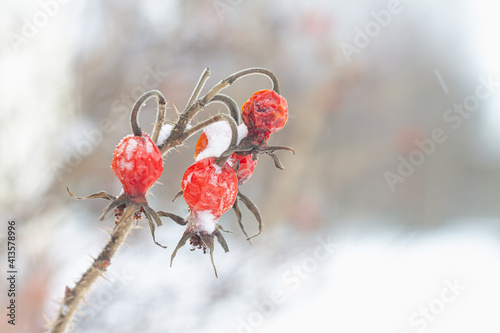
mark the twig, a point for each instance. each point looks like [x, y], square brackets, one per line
[73, 296]
[199, 86]
[174, 139]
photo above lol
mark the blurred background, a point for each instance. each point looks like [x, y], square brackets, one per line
[385, 220]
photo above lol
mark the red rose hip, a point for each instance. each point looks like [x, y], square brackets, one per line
[210, 187]
[246, 168]
[137, 162]
[264, 113]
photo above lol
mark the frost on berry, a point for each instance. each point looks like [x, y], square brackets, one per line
[137, 162]
[209, 190]
[210, 187]
[205, 147]
[216, 139]
[202, 221]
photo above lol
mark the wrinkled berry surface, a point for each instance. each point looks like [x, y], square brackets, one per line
[247, 166]
[137, 162]
[264, 113]
[210, 187]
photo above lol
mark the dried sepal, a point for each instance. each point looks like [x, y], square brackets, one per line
[237, 211]
[221, 239]
[187, 235]
[160, 115]
[200, 237]
[276, 160]
[254, 210]
[115, 203]
[178, 195]
[128, 212]
[97, 195]
[246, 146]
[272, 149]
[151, 216]
[208, 240]
[131, 206]
[219, 227]
[176, 218]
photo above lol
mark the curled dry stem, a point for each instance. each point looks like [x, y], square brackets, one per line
[178, 132]
[232, 78]
[160, 115]
[231, 104]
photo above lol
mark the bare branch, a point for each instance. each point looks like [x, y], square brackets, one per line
[199, 86]
[230, 80]
[73, 296]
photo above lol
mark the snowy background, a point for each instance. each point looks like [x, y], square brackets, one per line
[370, 86]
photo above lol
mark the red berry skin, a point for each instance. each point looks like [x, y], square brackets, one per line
[137, 162]
[247, 164]
[210, 187]
[264, 113]
[201, 144]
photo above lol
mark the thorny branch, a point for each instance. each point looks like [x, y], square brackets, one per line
[74, 296]
[199, 86]
[180, 132]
